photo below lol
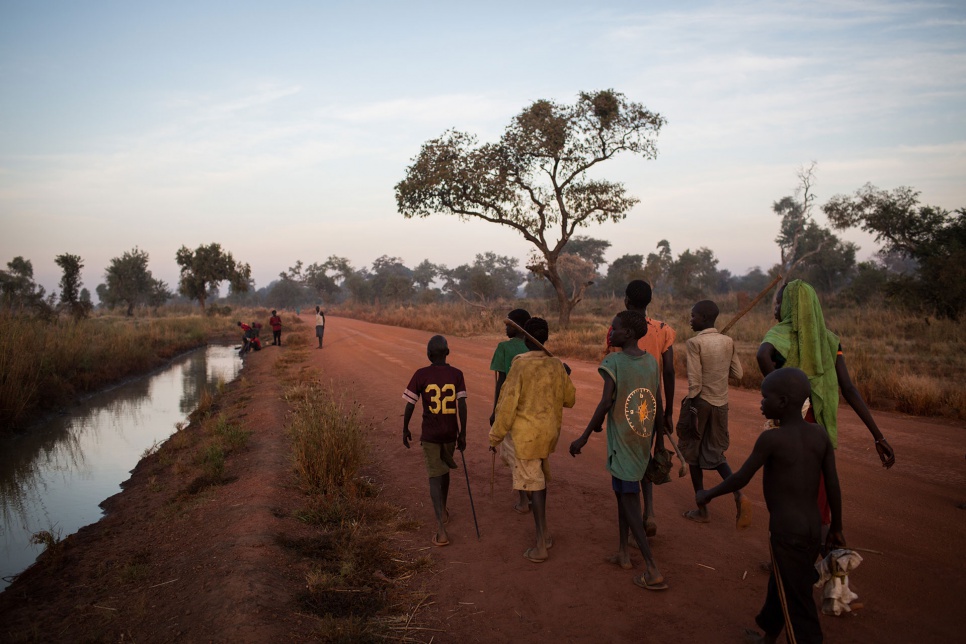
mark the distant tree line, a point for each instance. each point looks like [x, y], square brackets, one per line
[921, 264]
[128, 283]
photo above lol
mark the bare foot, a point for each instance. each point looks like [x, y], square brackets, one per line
[650, 526]
[754, 637]
[696, 516]
[521, 509]
[439, 541]
[621, 560]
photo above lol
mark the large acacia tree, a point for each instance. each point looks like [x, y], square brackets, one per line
[537, 178]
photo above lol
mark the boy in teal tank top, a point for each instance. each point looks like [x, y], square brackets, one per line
[631, 401]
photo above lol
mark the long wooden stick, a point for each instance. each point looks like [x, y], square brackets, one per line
[755, 301]
[683, 469]
[470, 493]
[492, 471]
[528, 336]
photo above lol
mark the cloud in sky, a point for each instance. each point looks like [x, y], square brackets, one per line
[281, 130]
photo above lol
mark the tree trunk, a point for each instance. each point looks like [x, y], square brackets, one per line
[565, 304]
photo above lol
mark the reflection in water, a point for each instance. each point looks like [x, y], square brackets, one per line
[54, 477]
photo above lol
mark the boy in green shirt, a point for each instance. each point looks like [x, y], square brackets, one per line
[631, 401]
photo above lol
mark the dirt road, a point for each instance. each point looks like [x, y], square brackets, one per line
[905, 520]
[167, 564]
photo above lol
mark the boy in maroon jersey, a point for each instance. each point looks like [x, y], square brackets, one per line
[443, 393]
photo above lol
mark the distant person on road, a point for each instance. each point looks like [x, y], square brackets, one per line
[631, 404]
[801, 340]
[796, 455]
[276, 323]
[504, 354]
[703, 434]
[530, 409]
[443, 392]
[319, 324]
[659, 342]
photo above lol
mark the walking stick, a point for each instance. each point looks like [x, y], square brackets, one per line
[755, 301]
[528, 336]
[683, 469]
[472, 507]
[532, 339]
[492, 471]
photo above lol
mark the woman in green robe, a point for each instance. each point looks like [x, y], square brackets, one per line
[801, 340]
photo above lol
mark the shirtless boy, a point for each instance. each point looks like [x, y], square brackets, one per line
[794, 454]
[443, 393]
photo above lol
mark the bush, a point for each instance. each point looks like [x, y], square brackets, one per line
[328, 444]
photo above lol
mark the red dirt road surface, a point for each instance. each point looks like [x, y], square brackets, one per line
[905, 520]
[212, 569]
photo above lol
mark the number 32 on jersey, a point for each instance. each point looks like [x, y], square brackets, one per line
[442, 399]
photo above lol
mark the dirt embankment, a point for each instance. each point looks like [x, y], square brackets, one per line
[210, 568]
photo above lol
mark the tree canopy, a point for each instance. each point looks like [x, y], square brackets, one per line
[204, 268]
[489, 277]
[537, 178]
[70, 285]
[934, 238]
[621, 271]
[18, 291]
[128, 281]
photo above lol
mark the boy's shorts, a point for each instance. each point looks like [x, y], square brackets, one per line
[625, 487]
[704, 444]
[439, 458]
[531, 474]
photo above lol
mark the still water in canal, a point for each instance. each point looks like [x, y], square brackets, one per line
[55, 476]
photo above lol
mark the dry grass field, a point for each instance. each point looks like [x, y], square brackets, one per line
[898, 360]
[44, 366]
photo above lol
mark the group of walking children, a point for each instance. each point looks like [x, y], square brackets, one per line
[804, 371]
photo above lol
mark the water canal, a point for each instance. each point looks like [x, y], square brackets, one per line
[55, 476]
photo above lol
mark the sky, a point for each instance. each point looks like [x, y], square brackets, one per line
[279, 130]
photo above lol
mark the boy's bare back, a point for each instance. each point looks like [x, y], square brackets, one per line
[794, 457]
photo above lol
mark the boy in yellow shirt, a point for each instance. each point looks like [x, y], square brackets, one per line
[530, 409]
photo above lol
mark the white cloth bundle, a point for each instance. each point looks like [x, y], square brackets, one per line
[833, 572]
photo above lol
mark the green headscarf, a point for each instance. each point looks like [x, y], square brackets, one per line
[804, 342]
